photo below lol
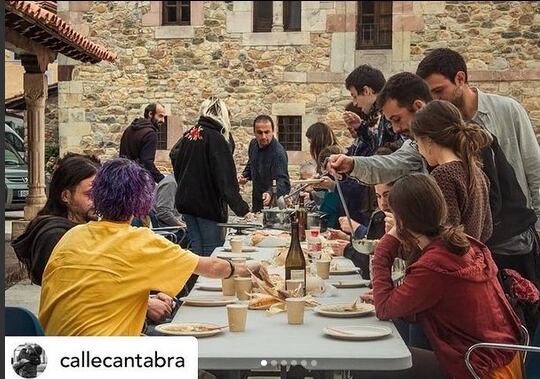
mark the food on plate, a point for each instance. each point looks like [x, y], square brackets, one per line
[187, 328]
[277, 280]
[260, 235]
[257, 238]
[273, 298]
[262, 301]
[344, 308]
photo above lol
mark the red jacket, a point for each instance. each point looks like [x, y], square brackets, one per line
[456, 299]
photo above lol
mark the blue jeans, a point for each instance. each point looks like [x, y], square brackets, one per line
[413, 334]
[204, 234]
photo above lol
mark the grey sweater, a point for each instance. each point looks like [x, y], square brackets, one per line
[164, 202]
[509, 122]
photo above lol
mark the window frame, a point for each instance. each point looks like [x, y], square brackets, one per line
[179, 12]
[286, 10]
[284, 136]
[257, 28]
[377, 14]
[162, 135]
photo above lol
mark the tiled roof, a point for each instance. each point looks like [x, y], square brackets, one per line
[31, 20]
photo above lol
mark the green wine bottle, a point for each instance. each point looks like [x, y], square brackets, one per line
[295, 263]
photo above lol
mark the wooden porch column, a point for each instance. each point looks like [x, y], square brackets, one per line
[35, 95]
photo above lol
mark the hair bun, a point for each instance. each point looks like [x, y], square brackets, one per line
[455, 239]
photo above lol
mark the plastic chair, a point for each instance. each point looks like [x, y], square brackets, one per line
[22, 322]
[501, 346]
[169, 232]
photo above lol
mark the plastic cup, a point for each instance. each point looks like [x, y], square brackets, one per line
[237, 315]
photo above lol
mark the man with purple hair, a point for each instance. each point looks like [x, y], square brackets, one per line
[100, 273]
[68, 205]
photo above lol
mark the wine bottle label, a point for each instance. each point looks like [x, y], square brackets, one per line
[298, 274]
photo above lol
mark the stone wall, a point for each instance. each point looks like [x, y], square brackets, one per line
[281, 73]
[500, 41]
[51, 121]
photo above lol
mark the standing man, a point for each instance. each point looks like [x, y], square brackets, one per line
[512, 242]
[372, 130]
[139, 141]
[267, 162]
[445, 72]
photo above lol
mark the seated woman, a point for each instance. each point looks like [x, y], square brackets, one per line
[374, 230]
[100, 274]
[323, 143]
[451, 286]
[453, 147]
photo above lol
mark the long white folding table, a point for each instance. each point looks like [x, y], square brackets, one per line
[270, 342]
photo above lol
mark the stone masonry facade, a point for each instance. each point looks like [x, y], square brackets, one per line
[277, 73]
[51, 121]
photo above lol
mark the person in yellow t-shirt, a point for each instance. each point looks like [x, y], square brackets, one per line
[100, 274]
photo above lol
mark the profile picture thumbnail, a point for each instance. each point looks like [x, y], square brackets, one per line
[29, 360]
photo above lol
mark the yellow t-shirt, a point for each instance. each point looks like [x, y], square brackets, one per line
[99, 276]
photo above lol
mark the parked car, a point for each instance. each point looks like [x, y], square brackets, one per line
[16, 179]
[11, 137]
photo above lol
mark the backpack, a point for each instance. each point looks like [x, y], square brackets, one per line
[522, 295]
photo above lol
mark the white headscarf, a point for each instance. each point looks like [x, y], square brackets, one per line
[216, 109]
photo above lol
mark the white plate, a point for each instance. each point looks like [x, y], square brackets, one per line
[175, 329]
[351, 283]
[274, 241]
[208, 301]
[358, 332]
[234, 255]
[245, 249]
[345, 271]
[209, 287]
[363, 309]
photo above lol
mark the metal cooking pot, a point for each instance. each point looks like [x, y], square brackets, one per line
[276, 218]
[281, 219]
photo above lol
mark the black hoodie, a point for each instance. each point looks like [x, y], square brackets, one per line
[206, 174]
[139, 143]
[35, 245]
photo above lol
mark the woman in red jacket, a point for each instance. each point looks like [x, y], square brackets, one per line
[451, 286]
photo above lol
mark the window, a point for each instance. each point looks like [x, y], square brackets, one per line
[290, 132]
[374, 28]
[262, 16]
[162, 136]
[292, 16]
[176, 12]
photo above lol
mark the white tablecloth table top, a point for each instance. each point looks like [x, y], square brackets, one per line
[271, 338]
